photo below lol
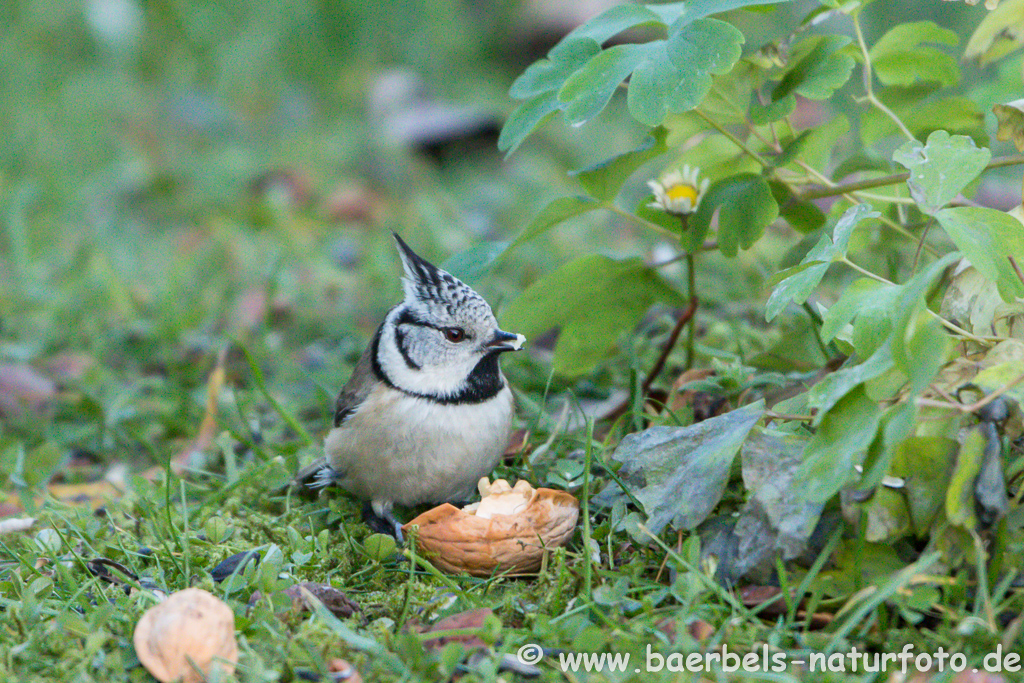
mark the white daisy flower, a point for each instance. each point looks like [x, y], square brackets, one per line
[679, 193]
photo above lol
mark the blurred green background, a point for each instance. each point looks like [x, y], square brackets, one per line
[176, 174]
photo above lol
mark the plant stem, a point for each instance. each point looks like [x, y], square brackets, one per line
[659, 365]
[647, 224]
[863, 271]
[869, 89]
[691, 276]
[735, 140]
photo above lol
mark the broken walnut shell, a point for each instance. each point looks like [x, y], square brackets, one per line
[507, 532]
[191, 629]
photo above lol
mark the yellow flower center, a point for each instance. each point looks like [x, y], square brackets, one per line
[678, 192]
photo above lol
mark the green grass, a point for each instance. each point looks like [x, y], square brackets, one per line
[138, 263]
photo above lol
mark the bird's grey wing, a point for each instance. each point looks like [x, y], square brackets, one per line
[357, 388]
[360, 383]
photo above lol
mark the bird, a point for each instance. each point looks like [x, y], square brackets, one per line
[427, 410]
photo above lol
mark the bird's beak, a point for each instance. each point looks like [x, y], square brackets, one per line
[504, 341]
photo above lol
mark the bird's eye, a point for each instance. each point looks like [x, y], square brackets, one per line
[454, 334]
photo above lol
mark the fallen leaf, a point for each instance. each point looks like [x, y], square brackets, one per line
[463, 620]
[679, 473]
[336, 601]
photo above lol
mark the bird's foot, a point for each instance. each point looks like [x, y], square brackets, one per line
[383, 522]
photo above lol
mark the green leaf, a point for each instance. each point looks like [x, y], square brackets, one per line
[940, 169]
[554, 213]
[705, 45]
[473, 263]
[745, 207]
[379, 547]
[899, 59]
[987, 238]
[862, 295]
[798, 284]
[820, 69]
[801, 282]
[616, 20]
[676, 76]
[679, 474]
[777, 110]
[586, 77]
[924, 463]
[911, 302]
[525, 119]
[681, 13]
[802, 216]
[587, 92]
[605, 179]
[927, 344]
[843, 435]
[959, 115]
[829, 391]
[960, 498]
[549, 74]
[654, 82]
[594, 299]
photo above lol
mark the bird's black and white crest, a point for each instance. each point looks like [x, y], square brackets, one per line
[436, 291]
[442, 342]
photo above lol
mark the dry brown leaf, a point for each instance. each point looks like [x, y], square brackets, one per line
[463, 620]
[186, 636]
[208, 427]
[336, 602]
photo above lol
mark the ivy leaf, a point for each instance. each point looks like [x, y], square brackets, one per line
[593, 299]
[554, 213]
[941, 168]
[821, 68]
[603, 180]
[987, 238]
[899, 58]
[801, 280]
[745, 207]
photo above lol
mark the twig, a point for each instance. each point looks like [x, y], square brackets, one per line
[1016, 268]
[659, 365]
[854, 186]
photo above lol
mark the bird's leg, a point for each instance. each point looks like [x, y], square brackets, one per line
[382, 520]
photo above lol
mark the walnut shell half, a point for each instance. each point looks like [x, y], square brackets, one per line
[507, 532]
[189, 625]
